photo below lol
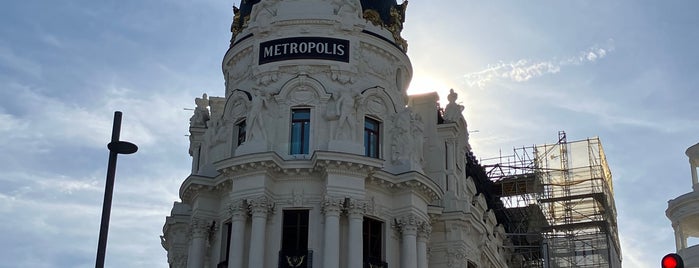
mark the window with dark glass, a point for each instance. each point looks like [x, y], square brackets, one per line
[295, 232]
[372, 234]
[225, 244]
[300, 130]
[294, 252]
[241, 132]
[371, 137]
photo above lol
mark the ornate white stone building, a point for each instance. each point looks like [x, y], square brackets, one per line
[317, 157]
[683, 211]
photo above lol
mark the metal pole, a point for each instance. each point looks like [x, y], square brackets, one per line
[115, 147]
[108, 190]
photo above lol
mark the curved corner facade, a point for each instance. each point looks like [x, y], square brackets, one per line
[683, 212]
[317, 157]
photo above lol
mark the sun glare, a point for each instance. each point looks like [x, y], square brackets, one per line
[426, 84]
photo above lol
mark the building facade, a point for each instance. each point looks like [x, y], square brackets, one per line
[683, 212]
[317, 157]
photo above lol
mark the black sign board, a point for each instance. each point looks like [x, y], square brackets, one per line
[295, 48]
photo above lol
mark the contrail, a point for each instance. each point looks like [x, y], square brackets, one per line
[523, 70]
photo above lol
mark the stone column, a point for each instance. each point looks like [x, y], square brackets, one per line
[355, 213]
[695, 180]
[423, 237]
[408, 253]
[197, 247]
[331, 250]
[238, 216]
[680, 239]
[258, 209]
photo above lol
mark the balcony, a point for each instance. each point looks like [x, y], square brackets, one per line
[295, 259]
[374, 263]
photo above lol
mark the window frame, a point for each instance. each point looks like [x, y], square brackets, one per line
[370, 251]
[369, 133]
[297, 229]
[305, 131]
[242, 131]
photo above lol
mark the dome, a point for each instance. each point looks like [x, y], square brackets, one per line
[386, 14]
[382, 9]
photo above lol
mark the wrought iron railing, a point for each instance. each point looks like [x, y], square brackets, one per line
[374, 263]
[295, 259]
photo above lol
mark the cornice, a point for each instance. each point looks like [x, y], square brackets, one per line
[193, 184]
[345, 163]
[319, 21]
[682, 206]
[380, 50]
[407, 181]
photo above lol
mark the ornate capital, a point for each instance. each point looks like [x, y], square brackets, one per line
[424, 230]
[408, 224]
[356, 208]
[237, 210]
[332, 206]
[199, 227]
[260, 206]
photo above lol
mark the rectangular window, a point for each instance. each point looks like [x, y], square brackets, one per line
[300, 131]
[225, 244]
[372, 234]
[241, 132]
[295, 251]
[295, 232]
[371, 137]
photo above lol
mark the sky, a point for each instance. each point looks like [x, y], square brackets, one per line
[623, 70]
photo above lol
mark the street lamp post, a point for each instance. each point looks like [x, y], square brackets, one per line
[115, 147]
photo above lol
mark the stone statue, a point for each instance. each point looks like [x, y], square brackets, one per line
[401, 137]
[201, 113]
[346, 108]
[417, 132]
[255, 120]
[452, 113]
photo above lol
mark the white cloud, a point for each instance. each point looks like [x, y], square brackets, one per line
[523, 70]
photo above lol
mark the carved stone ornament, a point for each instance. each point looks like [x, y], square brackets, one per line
[237, 209]
[453, 111]
[260, 206]
[332, 206]
[424, 230]
[255, 121]
[456, 257]
[408, 224]
[201, 112]
[297, 198]
[200, 227]
[356, 207]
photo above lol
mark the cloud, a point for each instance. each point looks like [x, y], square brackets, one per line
[9, 59]
[523, 70]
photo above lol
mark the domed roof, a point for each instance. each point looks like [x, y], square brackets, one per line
[242, 14]
[381, 7]
[387, 14]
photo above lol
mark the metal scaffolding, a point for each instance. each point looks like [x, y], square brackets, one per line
[558, 204]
